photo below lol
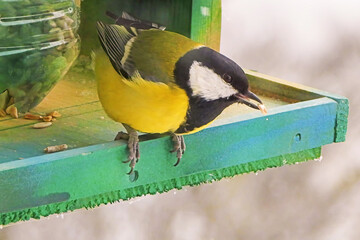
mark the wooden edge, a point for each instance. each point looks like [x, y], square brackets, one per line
[301, 128]
[8, 218]
[284, 83]
[219, 122]
[301, 92]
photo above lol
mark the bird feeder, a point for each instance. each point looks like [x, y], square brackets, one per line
[90, 172]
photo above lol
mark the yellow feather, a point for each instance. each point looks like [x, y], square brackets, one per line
[145, 106]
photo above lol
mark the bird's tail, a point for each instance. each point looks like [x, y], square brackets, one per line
[129, 21]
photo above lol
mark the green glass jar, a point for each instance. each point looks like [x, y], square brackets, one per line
[38, 44]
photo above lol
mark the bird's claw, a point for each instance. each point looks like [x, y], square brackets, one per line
[134, 153]
[132, 166]
[131, 171]
[133, 147]
[179, 147]
[177, 162]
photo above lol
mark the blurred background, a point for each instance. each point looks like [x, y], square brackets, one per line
[315, 43]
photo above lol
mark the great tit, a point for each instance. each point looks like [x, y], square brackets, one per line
[157, 81]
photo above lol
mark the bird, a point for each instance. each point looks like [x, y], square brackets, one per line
[156, 81]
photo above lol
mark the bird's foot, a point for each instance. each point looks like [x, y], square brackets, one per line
[134, 153]
[121, 136]
[133, 146]
[179, 146]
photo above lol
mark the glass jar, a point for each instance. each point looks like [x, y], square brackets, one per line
[38, 44]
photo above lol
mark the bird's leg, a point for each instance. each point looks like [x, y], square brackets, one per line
[121, 136]
[133, 146]
[179, 146]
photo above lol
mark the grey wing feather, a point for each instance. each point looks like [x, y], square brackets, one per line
[113, 39]
[142, 23]
[116, 41]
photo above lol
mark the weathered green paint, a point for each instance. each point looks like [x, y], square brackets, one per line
[174, 14]
[206, 22]
[88, 183]
[47, 180]
[300, 121]
[300, 92]
[83, 123]
[187, 17]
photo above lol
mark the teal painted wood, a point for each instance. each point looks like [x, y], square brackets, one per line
[198, 19]
[96, 170]
[263, 82]
[206, 22]
[191, 180]
[174, 14]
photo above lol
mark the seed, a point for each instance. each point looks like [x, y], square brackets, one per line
[71, 34]
[12, 111]
[68, 20]
[61, 47]
[61, 23]
[32, 116]
[262, 108]
[42, 125]
[54, 114]
[52, 24]
[54, 30]
[47, 118]
[56, 148]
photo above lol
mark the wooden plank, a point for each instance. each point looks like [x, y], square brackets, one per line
[98, 169]
[81, 126]
[174, 14]
[41, 184]
[83, 120]
[56, 203]
[206, 22]
[269, 85]
[76, 131]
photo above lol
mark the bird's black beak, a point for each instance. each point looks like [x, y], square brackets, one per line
[245, 99]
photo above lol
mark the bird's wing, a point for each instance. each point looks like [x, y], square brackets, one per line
[114, 39]
[150, 53]
[155, 53]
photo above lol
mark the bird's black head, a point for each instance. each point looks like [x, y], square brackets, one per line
[209, 75]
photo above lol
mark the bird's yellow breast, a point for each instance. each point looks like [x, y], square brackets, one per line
[146, 106]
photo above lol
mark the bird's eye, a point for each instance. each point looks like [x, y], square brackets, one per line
[227, 78]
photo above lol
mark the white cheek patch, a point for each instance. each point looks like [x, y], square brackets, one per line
[205, 83]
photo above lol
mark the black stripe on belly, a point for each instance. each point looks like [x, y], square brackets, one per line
[202, 112]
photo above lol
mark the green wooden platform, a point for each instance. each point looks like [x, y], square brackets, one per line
[34, 184]
[90, 173]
